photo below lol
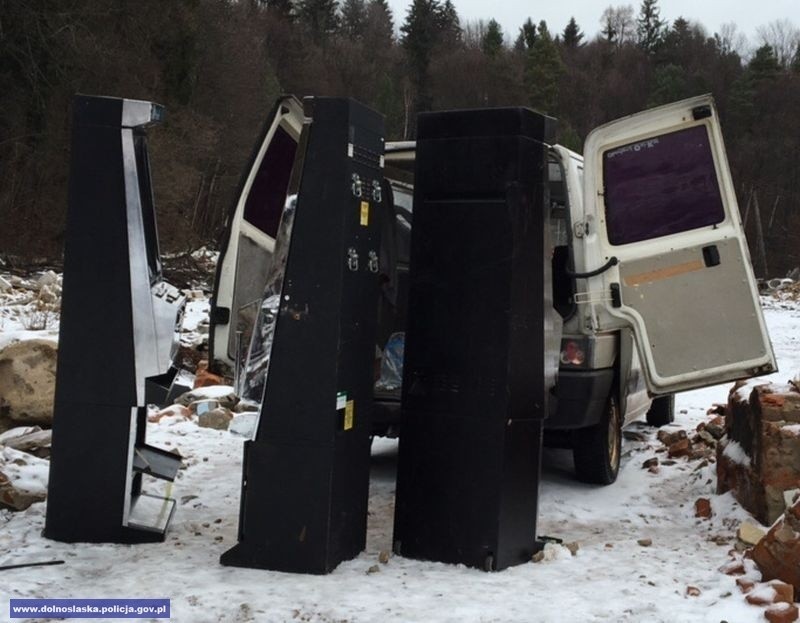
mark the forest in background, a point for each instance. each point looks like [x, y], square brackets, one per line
[218, 65]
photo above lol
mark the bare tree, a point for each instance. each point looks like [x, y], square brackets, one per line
[784, 38]
[731, 41]
[619, 24]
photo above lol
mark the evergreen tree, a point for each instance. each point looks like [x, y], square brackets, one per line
[448, 25]
[419, 36]
[319, 16]
[380, 22]
[492, 43]
[527, 36]
[572, 34]
[650, 26]
[543, 72]
[354, 16]
[764, 65]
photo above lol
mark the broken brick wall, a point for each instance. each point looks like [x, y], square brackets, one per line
[759, 458]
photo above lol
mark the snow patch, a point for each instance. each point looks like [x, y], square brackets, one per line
[736, 453]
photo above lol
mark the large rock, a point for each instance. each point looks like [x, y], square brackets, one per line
[778, 553]
[759, 458]
[27, 383]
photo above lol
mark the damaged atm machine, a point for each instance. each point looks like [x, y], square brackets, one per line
[118, 336]
[482, 339]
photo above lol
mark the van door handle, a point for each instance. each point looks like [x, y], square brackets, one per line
[711, 255]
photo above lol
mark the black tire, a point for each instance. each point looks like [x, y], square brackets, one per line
[596, 450]
[662, 411]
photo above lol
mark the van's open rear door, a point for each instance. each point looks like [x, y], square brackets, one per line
[249, 239]
[659, 192]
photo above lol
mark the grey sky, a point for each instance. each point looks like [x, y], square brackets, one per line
[747, 14]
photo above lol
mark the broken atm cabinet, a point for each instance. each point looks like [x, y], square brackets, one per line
[482, 340]
[118, 335]
[306, 471]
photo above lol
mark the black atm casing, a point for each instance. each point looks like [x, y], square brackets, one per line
[306, 474]
[481, 343]
[117, 333]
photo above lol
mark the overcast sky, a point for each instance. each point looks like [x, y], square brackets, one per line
[747, 14]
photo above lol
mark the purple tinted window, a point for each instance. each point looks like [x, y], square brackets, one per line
[661, 186]
[268, 192]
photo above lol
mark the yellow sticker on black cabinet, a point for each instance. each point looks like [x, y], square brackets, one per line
[365, 213]
[348, 415]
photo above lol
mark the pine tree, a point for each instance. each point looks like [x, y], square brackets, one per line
[543, 71]
[492, 43]
[650, 26]
[448, 24]
[764, 65]
[419, 36]
[354, 16]
[319, 16]
[380, 22]
[572, 34]
[527, 36]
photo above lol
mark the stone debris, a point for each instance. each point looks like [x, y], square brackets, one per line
[773, 592]
[16, 499]
[702, 508]
[174, 411]
[645, 542]
[573, 547]
[653, 462]
[745, 585]
[219, 419]
[551, 552]
[781, 613]
[692, 591]
[778, 553]
[749, 533]
[30, 439]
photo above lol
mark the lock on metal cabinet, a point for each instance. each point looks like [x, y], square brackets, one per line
[481, 341]
[305, 476]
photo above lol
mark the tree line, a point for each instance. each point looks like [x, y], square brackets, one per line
[217, 65]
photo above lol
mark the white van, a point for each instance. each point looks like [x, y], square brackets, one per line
[651, 271]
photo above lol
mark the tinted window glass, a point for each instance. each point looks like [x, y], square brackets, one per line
[268, 192]
[661, 186]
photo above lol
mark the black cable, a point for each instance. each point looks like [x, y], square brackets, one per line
[593, 273]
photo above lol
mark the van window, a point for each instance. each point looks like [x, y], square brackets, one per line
[660, 186]
[268, 192]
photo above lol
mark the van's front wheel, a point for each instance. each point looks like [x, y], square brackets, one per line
[596, 450]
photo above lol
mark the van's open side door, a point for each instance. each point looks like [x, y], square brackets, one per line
[249, 240]
[659, 194]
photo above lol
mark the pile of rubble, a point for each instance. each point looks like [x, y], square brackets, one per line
[758, 460]
[23, 468]
[698, 445]
[32, 303]
[211, 406]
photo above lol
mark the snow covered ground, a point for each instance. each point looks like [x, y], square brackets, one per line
[612, 577]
